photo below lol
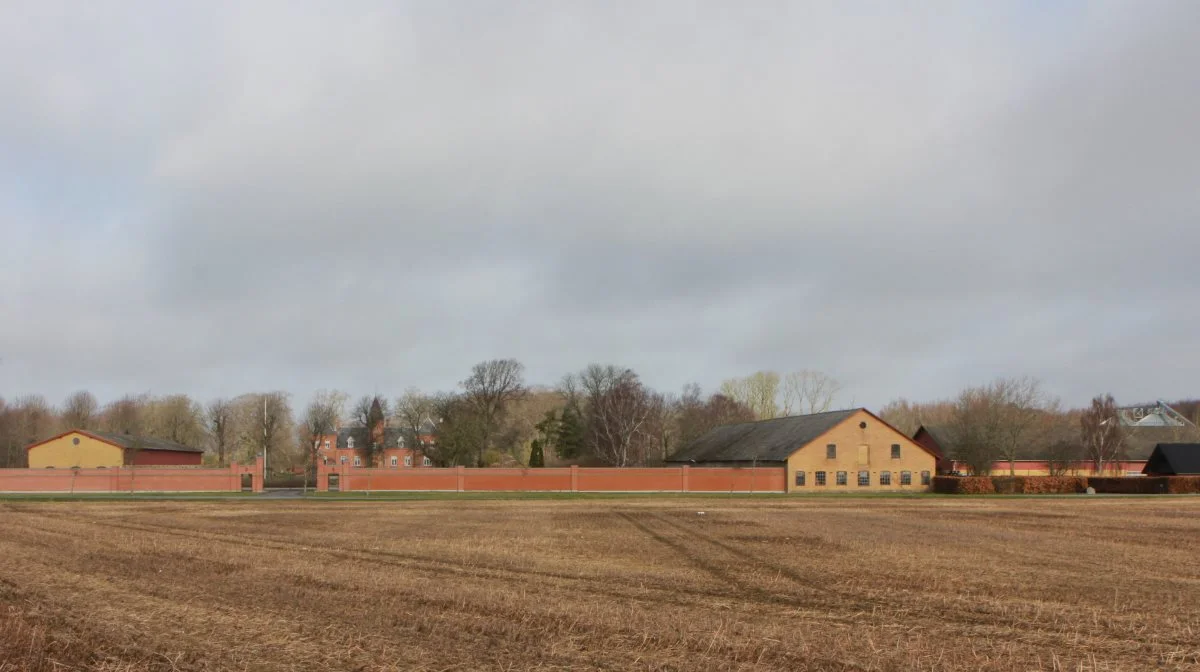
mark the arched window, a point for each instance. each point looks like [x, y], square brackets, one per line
[350, 442]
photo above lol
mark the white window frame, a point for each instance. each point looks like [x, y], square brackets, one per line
[427, 462]
[357, 461]
[394, 461]
[408, 460]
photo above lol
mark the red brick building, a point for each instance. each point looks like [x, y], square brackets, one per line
[346, 447]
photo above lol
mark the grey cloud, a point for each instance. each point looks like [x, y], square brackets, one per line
[370, 197]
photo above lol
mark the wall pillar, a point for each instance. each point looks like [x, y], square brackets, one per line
[256, 478]
[684, 478]
[235, 477]
[461, 472]
[574, 478]
[322, 484]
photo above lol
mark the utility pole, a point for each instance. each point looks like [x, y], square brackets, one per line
[264, 420]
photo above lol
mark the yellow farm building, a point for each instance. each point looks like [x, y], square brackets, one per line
[839, 451]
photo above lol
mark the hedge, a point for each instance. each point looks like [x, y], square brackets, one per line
[964, 485]
[1046, 485]
[1147, 485]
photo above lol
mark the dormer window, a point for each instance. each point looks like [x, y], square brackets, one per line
[350, 442]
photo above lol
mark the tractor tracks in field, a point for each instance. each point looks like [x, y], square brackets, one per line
[680, 595]
[698, 548]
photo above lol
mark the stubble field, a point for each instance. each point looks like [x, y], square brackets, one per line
[621, 584]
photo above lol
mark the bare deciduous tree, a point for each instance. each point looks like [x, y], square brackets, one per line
[218, 419]
[80, 411]
[759, 392]
[321, 418]
[1061, 456]
[618, 410]
[414, 412]
[807, 392]
[1026, 412]
[907, 416]
[457, 431]
[695, 416]
[26, 420]
[1101, 432]
[125, 415]
[175, 417]
[265, 425]
[490, 388]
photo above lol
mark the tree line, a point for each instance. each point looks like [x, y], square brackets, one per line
[1016, 418]
[601, 414]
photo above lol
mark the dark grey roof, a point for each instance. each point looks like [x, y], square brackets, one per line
[391, 437]
[1174, 458]
[765, 441]
[943, 436]
[144, 442]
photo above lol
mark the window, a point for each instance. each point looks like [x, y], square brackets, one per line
[895, 451]
[343, 459]
[820, 478]
[408, 460]
[885, 477]
[864, 478]
[841, 478]
[831, 451]
[799, 478]
[906, 478]
[400, 441]
[427, 462]
[394, 461]
[349, 441]
[924, 478]
[326, 443]
[358, 461]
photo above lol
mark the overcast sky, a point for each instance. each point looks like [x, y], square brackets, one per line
[216, 198]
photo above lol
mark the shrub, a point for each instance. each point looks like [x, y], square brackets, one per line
[1053, 485]
[1009, 485]
[1179, 485]
[1129, 485]
[964, 485]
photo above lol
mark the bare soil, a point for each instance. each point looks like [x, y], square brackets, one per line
[629, 584]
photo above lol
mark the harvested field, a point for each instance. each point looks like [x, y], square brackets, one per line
[624, 584]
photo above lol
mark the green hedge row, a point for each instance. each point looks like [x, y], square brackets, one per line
[1047, 485]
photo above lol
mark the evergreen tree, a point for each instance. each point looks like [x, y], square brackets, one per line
[537, 457]
[568, 443]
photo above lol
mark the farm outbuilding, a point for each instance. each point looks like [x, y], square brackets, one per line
[87, 449]
[1174, 459]
[850, 450]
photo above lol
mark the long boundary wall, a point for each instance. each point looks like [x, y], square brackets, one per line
[133, 479]
[564, 479]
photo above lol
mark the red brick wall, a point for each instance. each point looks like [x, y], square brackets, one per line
[131, 479]
[567, 479]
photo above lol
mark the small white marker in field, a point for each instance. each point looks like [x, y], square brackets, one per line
[700, 513]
